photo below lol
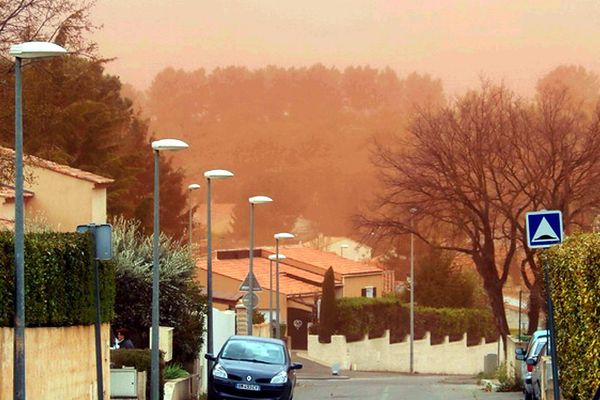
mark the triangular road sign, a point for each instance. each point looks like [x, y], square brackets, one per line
[545, 232]
[245, 286]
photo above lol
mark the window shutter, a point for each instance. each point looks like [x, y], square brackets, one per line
[363, 292]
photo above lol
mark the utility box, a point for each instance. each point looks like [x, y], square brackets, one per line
[490, 363]
[165, 341]
[123, 382]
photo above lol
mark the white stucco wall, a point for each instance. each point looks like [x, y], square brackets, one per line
[380, 355]
[223, 328]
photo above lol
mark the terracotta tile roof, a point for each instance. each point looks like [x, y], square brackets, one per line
[7, 223]
[238, 269]
[324, 260]
[9, 192]
[61, 169]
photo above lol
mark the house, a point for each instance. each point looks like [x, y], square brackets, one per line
[342, 246]
[301, 275]
[58, 195]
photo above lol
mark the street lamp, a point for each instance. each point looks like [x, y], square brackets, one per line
[253, 200]
[412, 211]
[191, 188]
[278, 236]
[342, 247]
[215, 174]
[27, 50]
[276, 258]
[157, 147]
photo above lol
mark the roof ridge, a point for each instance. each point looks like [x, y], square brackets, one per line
[62, 168]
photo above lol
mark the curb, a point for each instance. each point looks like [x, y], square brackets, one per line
[322, 378]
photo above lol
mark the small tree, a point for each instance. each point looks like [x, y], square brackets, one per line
[328, 312]
[439, 283]
[182, 305]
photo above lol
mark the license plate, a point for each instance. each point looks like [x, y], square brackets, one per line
[245, 386]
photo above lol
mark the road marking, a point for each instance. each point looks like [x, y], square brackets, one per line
[386, 392]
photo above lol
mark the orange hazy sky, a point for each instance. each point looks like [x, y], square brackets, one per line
[458, 41]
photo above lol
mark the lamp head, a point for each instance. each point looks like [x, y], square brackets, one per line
[260, 200]
[284, 235]
[169, 145]
[273, 257]
[36, 50]
[193, 186]
[217, 174]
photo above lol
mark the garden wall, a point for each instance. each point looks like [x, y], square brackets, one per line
[381, 355]
[60, 363]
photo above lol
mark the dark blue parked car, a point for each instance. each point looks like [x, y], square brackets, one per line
[250, 367]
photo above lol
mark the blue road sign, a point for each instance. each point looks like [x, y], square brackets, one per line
[544, 228]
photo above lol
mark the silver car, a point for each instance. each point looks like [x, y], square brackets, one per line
[537, 342]
[536, 373]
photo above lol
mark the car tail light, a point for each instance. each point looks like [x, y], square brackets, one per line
[529, 368]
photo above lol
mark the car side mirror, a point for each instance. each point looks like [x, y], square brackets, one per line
[532, 361]
[520, 357]
[210, 357]
[520, 354]
[296, 366]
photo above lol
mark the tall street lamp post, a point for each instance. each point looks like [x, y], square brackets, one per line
[253, 200]
[157, 147]
[27, 50]
[191, 188]
[412, 211]
[278, 236]
[276, 258]
[215, 174]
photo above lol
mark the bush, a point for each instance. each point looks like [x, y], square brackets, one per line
[182, 304]
[175, 371]
[575, 287]
[141, 360]
[59, 280]
[360, 316]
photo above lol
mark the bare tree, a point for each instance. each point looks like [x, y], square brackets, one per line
[64, 21]
[556, 165]
[451, 170]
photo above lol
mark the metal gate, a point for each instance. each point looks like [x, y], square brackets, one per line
[297, 327]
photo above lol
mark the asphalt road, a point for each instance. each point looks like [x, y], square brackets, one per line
[404, 387]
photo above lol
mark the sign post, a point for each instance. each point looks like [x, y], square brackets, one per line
[102, 237]
[545, 229]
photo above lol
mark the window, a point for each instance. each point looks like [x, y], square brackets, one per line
[369, 291]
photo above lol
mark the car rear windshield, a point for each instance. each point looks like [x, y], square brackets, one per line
[254, 351]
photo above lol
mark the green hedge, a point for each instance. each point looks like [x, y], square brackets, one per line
[360, 316]
[575, 283]
[59, 280]
[141, 360]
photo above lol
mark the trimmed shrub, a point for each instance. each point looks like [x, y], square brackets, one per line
[574, 269]
[141, 360]
[59, 280]
[360, 316]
